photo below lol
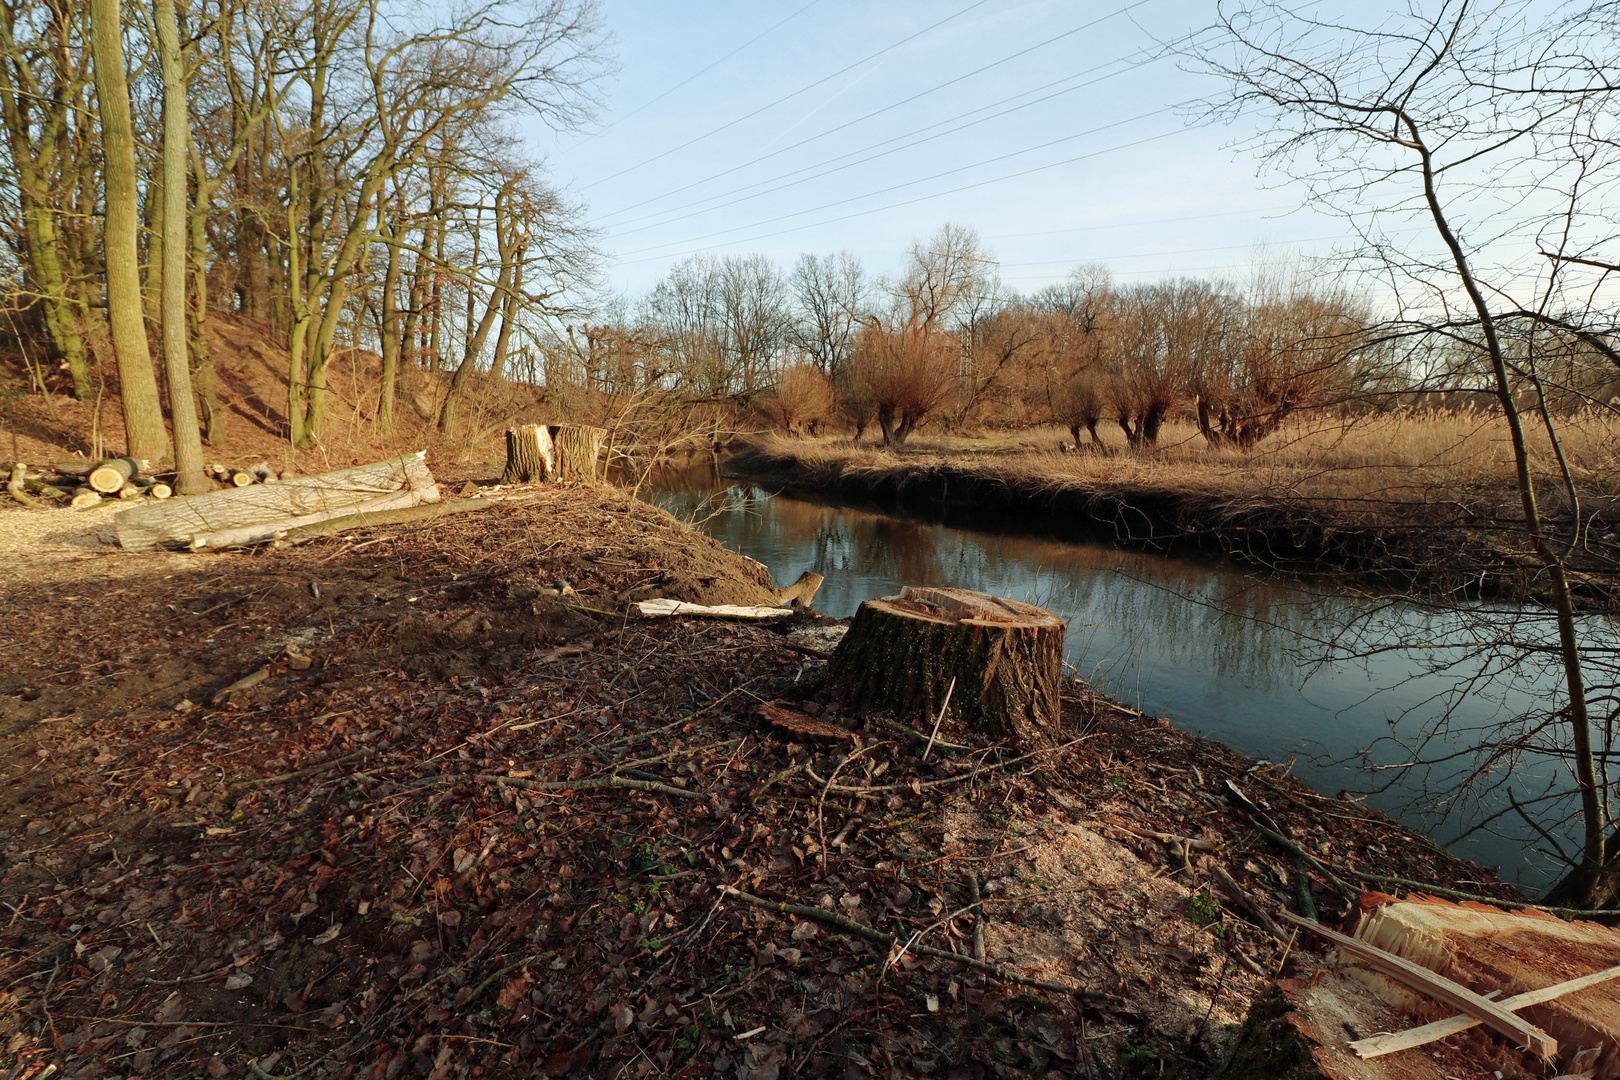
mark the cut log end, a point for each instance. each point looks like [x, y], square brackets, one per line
[1000, 661]
[110, 476]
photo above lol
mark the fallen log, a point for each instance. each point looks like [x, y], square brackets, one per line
[245, 535]
[405, 516]
[19, 473]
[84, 498]
[1005, 659]
[174, 522]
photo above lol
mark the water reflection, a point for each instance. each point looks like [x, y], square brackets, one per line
[1222, 653]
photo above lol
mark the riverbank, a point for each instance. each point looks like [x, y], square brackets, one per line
[491, 831]
[1407, 531]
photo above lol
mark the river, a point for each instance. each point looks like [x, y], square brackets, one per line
[1219, 651]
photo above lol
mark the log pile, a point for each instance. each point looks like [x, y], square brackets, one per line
[259, 512]
[83, 484]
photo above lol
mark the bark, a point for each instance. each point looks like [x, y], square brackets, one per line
[1001, 661]
[390, 322]
[178, 520]
[188, 455]
[531, 457]
[143, 415]
[203, 378]
[579, 451]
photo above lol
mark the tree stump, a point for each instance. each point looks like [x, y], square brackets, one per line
[531, 457]
[1000, 660]
[540, 452]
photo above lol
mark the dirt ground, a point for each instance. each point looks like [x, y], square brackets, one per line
[491, 829]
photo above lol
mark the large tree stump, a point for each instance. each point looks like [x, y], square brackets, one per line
[1004, 657]
[539, 452]
[531, 457]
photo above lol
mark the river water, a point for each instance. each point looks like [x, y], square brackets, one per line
[1220, 652]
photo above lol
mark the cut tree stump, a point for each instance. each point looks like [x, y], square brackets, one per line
[802, 592]
[1001, 661]
[174, 522]
[539, 452]
[531, 457]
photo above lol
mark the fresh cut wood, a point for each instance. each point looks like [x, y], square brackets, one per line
[530, 456]
[1379, 1045]
[1419, 978]
[174, 522]
[110, 476]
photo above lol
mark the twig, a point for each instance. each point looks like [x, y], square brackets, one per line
[587, 785]
[846, 790]
[304, 772]
[829, 918]
[978, 917]
[1271, 831]
[932, 735]
[1241, 898]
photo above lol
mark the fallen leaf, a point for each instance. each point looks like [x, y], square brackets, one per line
[237, 982]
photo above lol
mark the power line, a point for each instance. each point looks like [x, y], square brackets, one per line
[787, 97]
[936, 176]
[698, 74]
[922, 198]
[904, 101]
[873, 146]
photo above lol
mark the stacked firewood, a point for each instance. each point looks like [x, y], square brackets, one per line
[83, 484]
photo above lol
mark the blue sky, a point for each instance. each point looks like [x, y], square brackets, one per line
[772, 127]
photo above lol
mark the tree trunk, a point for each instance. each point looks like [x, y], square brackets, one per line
[202, 362]
[579, 451]
[178, 520]
[1001, 661]
[188, 455]
[531, 457]
[143, 415]
[389, 230]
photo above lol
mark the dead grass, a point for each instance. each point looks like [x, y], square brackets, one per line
[1355, 464]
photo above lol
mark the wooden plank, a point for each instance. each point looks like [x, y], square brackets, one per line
[1459, 997]
[1379, 1045]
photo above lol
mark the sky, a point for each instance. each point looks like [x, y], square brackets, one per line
[1057, 130]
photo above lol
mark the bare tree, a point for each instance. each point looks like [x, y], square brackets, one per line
[1490, 126]
[831, 294]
